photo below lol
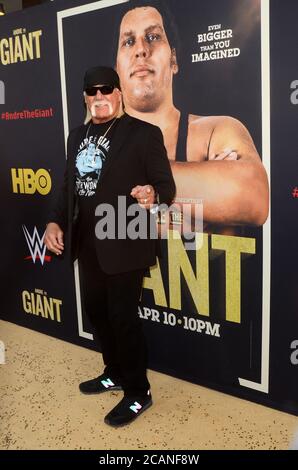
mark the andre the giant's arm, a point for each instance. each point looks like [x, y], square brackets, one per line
[234, 192]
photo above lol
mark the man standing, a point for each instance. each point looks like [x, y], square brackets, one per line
[212, 157]
[112, 155]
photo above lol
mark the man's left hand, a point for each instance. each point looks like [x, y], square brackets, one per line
[145, 195]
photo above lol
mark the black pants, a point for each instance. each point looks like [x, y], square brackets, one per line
[111, 304]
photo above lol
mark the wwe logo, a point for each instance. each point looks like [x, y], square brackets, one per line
[36, 245]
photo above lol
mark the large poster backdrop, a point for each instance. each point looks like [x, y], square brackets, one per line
[206, 313]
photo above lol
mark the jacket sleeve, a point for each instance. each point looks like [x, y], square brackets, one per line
[158, 167]
[59, 212]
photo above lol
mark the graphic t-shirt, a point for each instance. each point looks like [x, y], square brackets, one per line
[91, 157]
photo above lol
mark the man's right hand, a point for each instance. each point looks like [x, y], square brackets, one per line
[54, 238]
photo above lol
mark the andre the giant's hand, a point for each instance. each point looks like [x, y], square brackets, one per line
[226, 154]
[145, 195]
[54, 238]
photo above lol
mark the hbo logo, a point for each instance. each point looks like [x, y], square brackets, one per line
[26, 181]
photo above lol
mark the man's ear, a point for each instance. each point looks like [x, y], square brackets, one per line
[174, 63]
[119, 93]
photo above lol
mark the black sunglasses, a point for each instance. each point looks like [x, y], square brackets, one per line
[104, 90]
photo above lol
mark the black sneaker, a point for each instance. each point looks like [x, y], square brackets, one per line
[127, 410]
[99, 385]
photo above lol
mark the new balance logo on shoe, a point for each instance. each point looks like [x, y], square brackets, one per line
[136, 407]
[107, 383]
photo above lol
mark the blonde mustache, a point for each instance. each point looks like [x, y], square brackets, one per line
[100, 103]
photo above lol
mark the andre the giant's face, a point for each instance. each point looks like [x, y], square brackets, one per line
[145, 62]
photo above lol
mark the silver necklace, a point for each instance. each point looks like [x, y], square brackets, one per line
[100, 137]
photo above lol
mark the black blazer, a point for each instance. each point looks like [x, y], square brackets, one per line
[137, 156]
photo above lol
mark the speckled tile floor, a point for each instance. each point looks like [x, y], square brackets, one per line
[41, 407]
